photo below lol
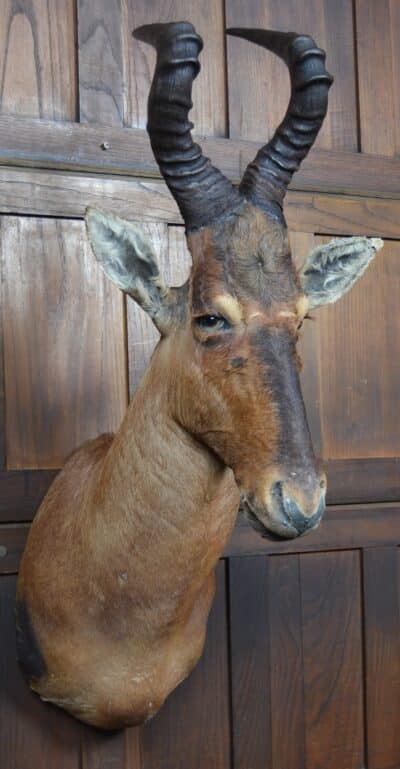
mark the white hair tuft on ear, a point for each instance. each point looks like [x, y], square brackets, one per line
[332, 269]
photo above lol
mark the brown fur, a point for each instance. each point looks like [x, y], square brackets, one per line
[118, 572]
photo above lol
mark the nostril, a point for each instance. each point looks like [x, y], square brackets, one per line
[297, 517]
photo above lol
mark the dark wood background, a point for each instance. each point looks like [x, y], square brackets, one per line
[302, 662]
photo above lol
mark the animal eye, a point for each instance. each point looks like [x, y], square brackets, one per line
[212, 322]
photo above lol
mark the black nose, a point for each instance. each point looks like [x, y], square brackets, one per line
[298, 518]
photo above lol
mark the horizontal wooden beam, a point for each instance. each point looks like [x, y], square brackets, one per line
[35, 192]
[344, 527]
[349, 481]
[126, 151]
[353, 481]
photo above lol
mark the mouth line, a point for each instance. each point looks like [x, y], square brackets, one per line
[251, 516]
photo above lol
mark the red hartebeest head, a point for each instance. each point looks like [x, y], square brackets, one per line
[117, 577]
[228, 349]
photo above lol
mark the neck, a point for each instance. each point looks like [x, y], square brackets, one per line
[160, 486]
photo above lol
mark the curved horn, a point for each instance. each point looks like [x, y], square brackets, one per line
[266, 179]
[202, 193]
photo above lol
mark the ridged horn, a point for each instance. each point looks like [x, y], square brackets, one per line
[266, 179]
[202, 193]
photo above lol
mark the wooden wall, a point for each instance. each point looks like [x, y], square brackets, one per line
[302, 662]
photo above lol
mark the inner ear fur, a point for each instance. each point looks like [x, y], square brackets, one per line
[128, 259]
[332, 269]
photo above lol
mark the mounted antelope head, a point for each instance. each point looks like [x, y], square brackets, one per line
[118, 574]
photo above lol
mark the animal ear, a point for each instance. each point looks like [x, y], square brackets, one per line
[332, 269]
[128, 259]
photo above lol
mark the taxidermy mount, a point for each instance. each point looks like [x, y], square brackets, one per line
[117, 577]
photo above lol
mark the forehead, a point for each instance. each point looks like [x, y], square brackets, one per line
[247, 257]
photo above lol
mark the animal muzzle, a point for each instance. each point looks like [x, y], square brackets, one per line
[287, 511]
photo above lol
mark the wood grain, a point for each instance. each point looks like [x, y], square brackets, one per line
[102, 87]
[378, 74]
[47, 144]
[169, 244]
[250, 663]
[363, 480]
[258, 81]
[360, 364]
[63, 342]
[103, 750]
[333, 706]
[286, 650]
[32, 734]
[192, 729]
[38, 59]
[209, 102]
[381, 570]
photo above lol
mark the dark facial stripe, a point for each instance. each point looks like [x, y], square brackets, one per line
[276, 352]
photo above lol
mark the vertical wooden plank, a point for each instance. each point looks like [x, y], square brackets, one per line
[101, 30]
[104, 750]
[359, 358]
[302, 243]
[64, 342]
[209, 102]
[382, 655]
[38, 59]
[287, 701]
[2, 387]
[32, 734]
[170, 247]
[332, 655]
[259, 83]
[250, 662]
[192, 729]
[378, 25]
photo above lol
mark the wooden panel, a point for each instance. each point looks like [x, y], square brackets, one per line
[378, 25]
[360, 364]
[286, 648]
[38, 59]
[382, 633]
[63, 340]
[363, 480]
[45, 144]
[104, 750]
[209, 107]
[21, 493]
[255, 112]
[333, 706]
[250, 663]
[192, 729]
[32, 734]
[101, 27]
[170, 246]
[343, 527]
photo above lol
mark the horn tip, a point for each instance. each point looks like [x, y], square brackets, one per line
[152, 33]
